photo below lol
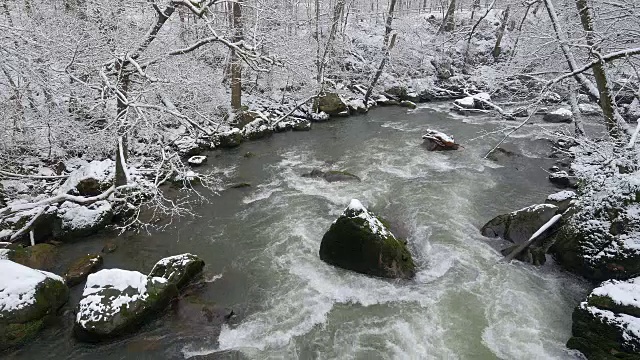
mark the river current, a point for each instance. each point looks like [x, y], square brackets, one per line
[261, 246]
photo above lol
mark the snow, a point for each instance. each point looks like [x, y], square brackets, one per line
[562, 112]
[624, 293]
[178, 260]
[76, 216]
[18, 285]
[377, 227]
[558, 175]
[439, 136]
[132, 285]
[103, 171]
[467, 103]
[482, 96]
[4, 254]
[197, 160]
[5, 233]
[562, 196]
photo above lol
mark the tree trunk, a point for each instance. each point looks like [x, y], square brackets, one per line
[387, 50]
[236, 63]
[449, 21]
[606, 99]
[337, 16]
[496, 49]
[122, 109]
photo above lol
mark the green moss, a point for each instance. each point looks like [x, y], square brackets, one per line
[597, 339]
[351, 244]
[605, 302]
[13, 335]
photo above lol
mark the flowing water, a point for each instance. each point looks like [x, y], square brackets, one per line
[261, 247]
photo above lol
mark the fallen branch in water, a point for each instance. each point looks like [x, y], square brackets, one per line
[533, 238]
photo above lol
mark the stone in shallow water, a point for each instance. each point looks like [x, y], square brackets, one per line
[359, 241]
[27, 298]
[437, 141]
[178, 270]
[81, 268]
[116, 302]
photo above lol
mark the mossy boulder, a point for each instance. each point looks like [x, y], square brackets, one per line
[116, 302]
[178, 270]
[359, 241]
[39, 256]
[518, 226]
[330, 103]
[81, 268]
[591, 250]
[27, 298]
[606, 325]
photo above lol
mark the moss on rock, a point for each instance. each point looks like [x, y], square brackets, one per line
[359, 241]
[179, 269]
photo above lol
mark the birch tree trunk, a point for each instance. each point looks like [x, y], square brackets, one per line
[496, 49]
[236, 63]
[387, 50]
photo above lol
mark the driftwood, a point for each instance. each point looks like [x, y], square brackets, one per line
[533, 238]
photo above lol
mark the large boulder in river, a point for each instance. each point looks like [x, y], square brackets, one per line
[330, 103]
[74, 221]
[27, 298]
[607, 324]
[518, 226]
[358, 240]
[116, 302]
[179, 269]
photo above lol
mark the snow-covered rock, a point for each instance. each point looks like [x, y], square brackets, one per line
[27, 298]
[330, 103]
[257, 129]
[408, 104]
[590, 109]
[197, 160]
[293, 123]
[600, 238]
[357, 106]
[561, 115]
[436, 141]
[608, 322]
[228, 139]
[561, 199]
[465, 103]
[77, 220]
[116, 302]
[91, 179]
[187, 146]
[359, 241]
[562, 179]
[179, 269]
[518, 226]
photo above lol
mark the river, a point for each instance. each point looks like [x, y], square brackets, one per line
[261, 246]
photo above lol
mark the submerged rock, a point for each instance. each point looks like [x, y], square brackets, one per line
[332, 175]
[438, 141]
[81, 268]
[562, 179]
[178, 270]
[359, 241]
[116, 302]
[27, 298]
[607, 324]
[561, 115]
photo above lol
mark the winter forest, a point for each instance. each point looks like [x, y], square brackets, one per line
[332, 179]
